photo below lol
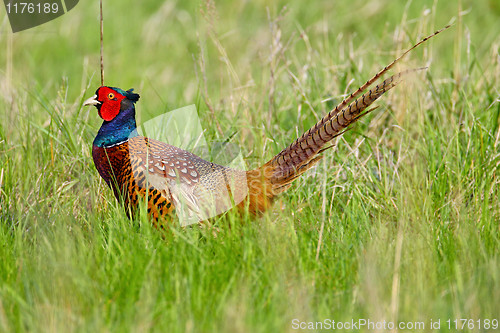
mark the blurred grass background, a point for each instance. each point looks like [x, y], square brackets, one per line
[400, 222]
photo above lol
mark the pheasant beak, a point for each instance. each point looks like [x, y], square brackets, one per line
[92, 101]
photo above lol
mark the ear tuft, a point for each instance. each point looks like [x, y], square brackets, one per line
[131, 95]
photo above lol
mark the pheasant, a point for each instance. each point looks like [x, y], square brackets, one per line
[172, 181]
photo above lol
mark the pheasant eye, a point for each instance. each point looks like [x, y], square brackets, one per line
[111, 96]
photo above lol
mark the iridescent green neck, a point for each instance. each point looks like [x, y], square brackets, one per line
[118, 130]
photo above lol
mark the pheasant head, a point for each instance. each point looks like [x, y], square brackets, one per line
[110, 101]
[117, 108]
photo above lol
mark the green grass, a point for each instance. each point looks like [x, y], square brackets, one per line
[400, 222]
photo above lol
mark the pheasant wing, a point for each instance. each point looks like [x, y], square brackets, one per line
[199, 189]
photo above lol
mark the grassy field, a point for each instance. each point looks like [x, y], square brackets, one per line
[398, 223]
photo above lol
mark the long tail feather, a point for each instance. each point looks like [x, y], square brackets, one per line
[277, 175]
[297, 155]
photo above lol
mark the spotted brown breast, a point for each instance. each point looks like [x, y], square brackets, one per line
[173, 180]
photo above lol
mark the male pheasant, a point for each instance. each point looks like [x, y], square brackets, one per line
[172, 181]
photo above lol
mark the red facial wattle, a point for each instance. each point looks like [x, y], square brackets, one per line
[111, 102]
